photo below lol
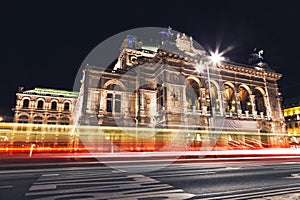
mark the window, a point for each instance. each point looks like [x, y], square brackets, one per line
[160, 98]
[245, 100]
[290, 125]
[38, 120]
[66, 106]
[113, 103]
[117, 103]
[51, 120]
[259, 102]
[65, 121]
[26, 103]
[109, 99]
[23, 119]
[296, 125]
[192, 94]
[54, 105]
[230, 98]
[40, 104]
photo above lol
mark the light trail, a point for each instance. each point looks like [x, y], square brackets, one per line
[19, 138]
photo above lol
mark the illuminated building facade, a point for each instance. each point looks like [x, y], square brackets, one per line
[44, 106]
[169, 91]
[292, 119]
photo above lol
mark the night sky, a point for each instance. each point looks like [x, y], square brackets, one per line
[43, 44]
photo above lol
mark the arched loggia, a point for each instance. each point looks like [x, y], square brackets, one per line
[245, 100]
[192, 92]
[229, 98]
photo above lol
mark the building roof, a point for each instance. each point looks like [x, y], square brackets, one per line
[52, 92]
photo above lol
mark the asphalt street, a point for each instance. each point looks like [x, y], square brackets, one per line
[242, 179]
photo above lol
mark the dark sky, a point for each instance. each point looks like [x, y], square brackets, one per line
[43, 44]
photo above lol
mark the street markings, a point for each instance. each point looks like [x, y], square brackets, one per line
[50, 175]
[100, 184]
[251, 193]
[6, 186]
[294, 176]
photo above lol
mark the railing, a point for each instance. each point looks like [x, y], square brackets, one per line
[228, 114]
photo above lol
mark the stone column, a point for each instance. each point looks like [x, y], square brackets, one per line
[101, 107]
[142, 102]
[203, 100]
[252, 101]
[238, 104]
[183, 99]
[237, 99]
[268, 107]
[124, 104]
[141, 106]
[220, 97]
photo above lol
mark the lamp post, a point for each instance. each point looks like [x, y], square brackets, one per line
[210, 93]
[214, 59]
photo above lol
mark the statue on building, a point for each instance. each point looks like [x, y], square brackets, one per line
[257, 59]
[166, 35]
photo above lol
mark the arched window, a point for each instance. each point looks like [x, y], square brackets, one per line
[114, 87]
[192, 94]
[64, 121]
[214, 97]
[230, 100]
[38, 120]
[259, 102]
[40, 104]
[67, 106]
[52, 120]
[54, 105]
[245, 100]
[23, 119]
[25, 103]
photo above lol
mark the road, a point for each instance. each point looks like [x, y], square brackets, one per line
[186, 179]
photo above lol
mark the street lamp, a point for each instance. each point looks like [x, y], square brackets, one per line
[216, 57]
[1, 118]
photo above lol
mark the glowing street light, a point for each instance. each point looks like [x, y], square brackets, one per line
[216, 57]
[1, 119]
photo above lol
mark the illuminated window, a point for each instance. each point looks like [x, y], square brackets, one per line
[26, 103]
[66, 106]
[40, 104]
[230, 100]
[245, 100]
[54, 105]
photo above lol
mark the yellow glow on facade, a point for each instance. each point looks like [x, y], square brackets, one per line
[292, 120]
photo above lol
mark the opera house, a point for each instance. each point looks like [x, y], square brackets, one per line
[177, 86]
